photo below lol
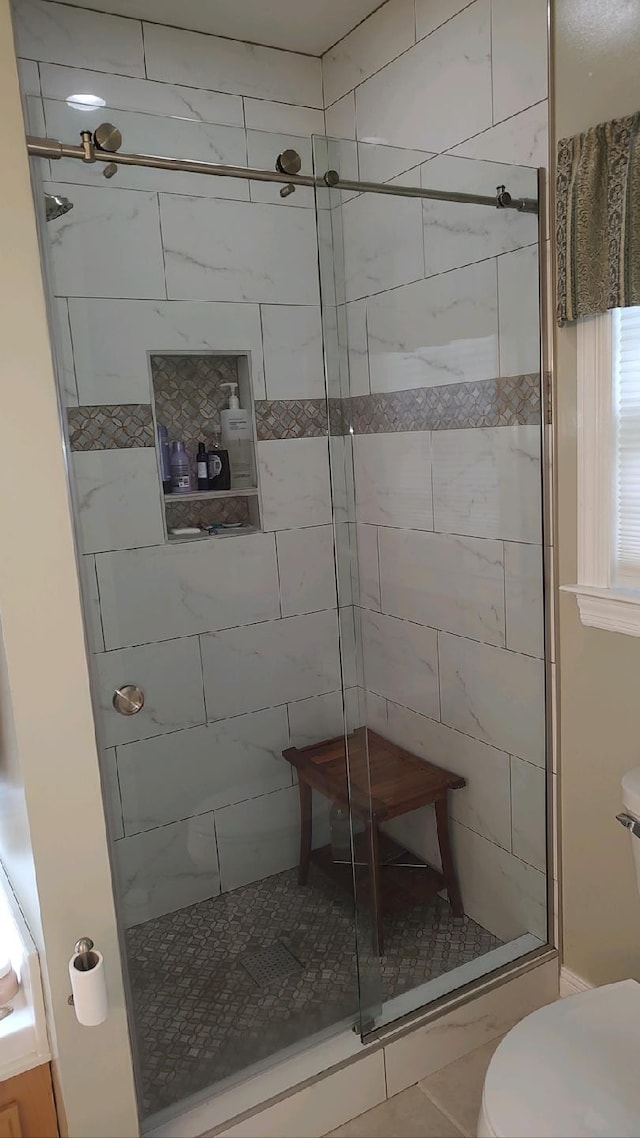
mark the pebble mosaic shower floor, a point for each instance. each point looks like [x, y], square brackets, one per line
[200, 1016]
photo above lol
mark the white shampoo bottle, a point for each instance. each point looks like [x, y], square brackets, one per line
[235, 426]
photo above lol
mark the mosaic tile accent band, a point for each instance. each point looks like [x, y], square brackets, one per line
[291, 418]
[226, 511]
[504, 402]
[111, 427]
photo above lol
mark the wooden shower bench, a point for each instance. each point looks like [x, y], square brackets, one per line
[385, 781]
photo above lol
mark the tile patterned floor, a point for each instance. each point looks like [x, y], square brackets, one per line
[200, 1017]
[445, 1105]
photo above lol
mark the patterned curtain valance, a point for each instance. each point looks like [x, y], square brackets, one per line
[598, 219]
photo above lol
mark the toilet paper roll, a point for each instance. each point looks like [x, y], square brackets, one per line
[89, 988]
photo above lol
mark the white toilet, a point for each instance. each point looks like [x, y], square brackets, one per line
[572, 1069]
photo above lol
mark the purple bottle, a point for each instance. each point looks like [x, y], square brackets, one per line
[180, 472]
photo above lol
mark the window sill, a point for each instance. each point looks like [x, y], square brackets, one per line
[608, 609]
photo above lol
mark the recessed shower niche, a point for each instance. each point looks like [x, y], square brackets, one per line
[189, 399]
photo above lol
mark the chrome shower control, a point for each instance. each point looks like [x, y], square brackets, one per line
[128, 699]
[107, 137]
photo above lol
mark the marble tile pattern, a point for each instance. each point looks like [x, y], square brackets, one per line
[411, 1112]
[239, 664]
[241, 251]
[451, 68]
[393, 479]
[162, 870]
[439, 330]
[267, 115]
[457, 234]
[110, 427]
[523, 138]
[366, 49]
[419, 1054]
[237, 1023]
[59, 34]
[131, 261]
[520, 72]
[63, 349]
[117, 370]
[261, 836]
[177, 56]
[170, 675]
[401, 662]
[395, 257]
[486, 482]
[445, 1103]
[523, 569]
[452, 583]
[493, 695]
[510, 894]
[294, 479]
[188, 137]
[262, 150]
[123, 93]
[91, 603]
[111, 787]
[483, 805]
[201, 769]
[187, 588]
[320, 717]
[306, 568]
[517, 301]
[431, 14]
[528, 813]
[118, 498]
[294, 365]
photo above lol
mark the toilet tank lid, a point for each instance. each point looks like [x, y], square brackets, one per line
[570, 1068]
[631, 790]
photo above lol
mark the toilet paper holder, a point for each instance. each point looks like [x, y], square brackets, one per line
[84, 958]
[88, 987]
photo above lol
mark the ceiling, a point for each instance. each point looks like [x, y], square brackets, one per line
[310, 26]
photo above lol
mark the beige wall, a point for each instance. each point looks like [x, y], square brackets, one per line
[597, 47]
[49, 768]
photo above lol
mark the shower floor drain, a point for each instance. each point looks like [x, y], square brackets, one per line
[273, 963]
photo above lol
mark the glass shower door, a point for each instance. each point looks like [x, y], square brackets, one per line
[432, 353]
[211, 612]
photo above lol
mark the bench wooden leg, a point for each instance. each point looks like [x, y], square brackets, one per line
[448, 868]
[373, 854]
[306, 829]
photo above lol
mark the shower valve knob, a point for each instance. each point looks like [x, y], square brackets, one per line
[128, 700]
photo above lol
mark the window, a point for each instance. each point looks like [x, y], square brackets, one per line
[608, 588]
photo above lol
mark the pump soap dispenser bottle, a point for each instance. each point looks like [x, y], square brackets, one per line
[236, 440]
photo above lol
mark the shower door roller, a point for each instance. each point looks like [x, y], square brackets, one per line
[128, 699]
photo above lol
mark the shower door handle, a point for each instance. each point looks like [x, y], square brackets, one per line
[128, 700]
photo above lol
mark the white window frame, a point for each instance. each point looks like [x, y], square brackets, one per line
[600, 605]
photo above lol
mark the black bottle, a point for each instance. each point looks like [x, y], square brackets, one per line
[219, 468]
[203, 467]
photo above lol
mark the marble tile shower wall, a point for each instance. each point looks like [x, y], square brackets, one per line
[238, 663]
[437, 314]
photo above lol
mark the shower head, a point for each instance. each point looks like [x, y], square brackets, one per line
[55, 206]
